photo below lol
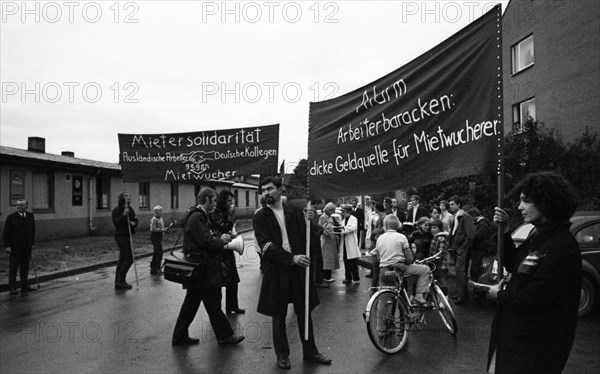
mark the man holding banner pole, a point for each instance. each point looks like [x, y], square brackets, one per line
[280, 231]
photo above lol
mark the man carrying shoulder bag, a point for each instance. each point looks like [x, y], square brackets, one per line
[205, 285]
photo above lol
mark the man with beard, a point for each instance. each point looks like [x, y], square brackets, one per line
[280, 231]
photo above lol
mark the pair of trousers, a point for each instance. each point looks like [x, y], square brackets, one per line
[125, 258]
[280, 342]
[421, 271]
[211, 296]
[462, 258]
[19, 260]
[351, 267]
[156, 240]
[231, 297]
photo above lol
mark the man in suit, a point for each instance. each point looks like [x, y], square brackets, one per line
[18, 240]
[397, 211]
[280, 231]
[416, 210]
[360, 217]
[199, 243]
[461, 239]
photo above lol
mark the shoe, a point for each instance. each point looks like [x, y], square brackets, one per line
[27, 289]
[236, 311]
[346, 281]
[153, 272]
[232, 340]
[423, 304]
[318, 358]
[330, 280]
[284, 363]
[356, 282]
[185, 341]
[322, 285]
[14, 291]
[123, 286]
[459, 300]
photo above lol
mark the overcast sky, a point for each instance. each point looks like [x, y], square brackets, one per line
[78, 73]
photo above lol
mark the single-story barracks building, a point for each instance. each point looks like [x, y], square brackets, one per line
[74, 197]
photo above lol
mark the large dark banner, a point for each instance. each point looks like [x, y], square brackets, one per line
[436, 118]
[198, 156]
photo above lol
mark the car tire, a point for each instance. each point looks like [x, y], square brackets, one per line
[587, 300]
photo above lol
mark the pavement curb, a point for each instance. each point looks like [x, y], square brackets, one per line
[86, 269]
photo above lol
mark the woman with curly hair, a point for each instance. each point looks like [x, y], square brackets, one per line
[536, 314]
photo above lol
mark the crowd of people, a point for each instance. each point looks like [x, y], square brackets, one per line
[534, 324]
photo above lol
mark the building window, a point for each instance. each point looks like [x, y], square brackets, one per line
[247, 198]
[43, 191]
[523, 112]
[522, 54]
[17, 186]
[144, 196]
[174, 195]
[235, 195]
[102, 191]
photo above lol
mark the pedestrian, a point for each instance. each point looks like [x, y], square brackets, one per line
[349, 245]
[157, 230]
[360, 220]
[19, 240]
[416, 210]
[377, 231]
[439, 249]
[446, 217]
[280, 231]
[329, 242]
[205, 286]
[123, 217]
[222, 221]
[481, 243]
[461, 239]
[537, 303]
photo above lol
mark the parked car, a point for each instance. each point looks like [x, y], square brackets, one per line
[585, 228]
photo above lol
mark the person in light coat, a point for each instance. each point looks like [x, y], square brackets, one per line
[349, 245]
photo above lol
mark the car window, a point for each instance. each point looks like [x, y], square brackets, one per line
[589, 236]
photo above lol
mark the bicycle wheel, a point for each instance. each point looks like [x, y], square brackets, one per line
[387, 322]
[444, 308]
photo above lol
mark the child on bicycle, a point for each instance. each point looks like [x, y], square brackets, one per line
[439, 250]
[395, 254]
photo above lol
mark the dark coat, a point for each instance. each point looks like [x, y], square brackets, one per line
[200, 244]
[421, 212]
[534, 324]
[462, 239]
[222, 222]
[283, 282]
[483, 233]
[360, 217]
[422, 241]
[120, 221]
[19, 232]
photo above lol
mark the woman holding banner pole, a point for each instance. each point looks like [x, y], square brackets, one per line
[123, 217]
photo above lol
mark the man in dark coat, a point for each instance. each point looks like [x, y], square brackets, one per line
[18, 241]
[481, 244]
[416, 210]
[461, 239]
[360, 217]
[280, 231]
[199, 244]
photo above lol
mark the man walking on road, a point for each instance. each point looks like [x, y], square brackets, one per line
[280, 231]
[18, 240]
[199, 243]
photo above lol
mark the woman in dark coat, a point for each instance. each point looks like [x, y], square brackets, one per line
[536, 316]
[222, 221]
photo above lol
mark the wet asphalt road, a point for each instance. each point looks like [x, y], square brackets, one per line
[82, 325]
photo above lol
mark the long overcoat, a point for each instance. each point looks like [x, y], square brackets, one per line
[536, 316]
[283, 282]
[329, 243]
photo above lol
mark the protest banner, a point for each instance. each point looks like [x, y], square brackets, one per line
[199, 156]
[436, 118]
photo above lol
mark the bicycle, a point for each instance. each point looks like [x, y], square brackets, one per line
[391, 311]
